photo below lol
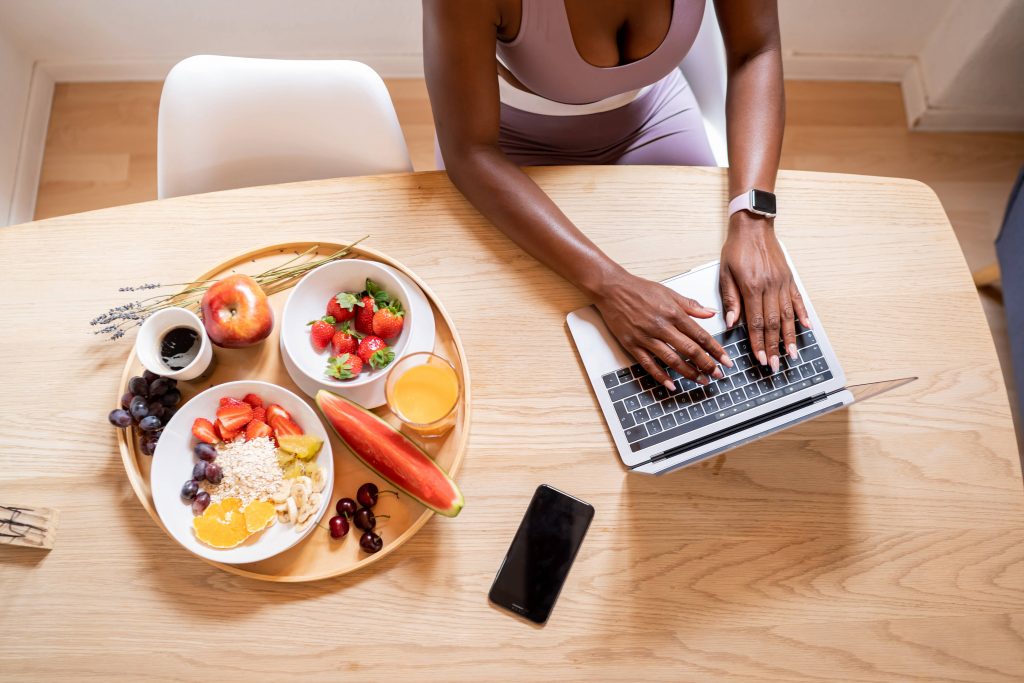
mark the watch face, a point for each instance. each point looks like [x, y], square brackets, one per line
[764, 202]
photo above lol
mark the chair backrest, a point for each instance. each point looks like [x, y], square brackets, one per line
[228, 122]
[705, 70]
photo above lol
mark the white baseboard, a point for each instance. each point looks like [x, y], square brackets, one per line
[387, 65]
[815, 67]
[31, 146]
[989, 120]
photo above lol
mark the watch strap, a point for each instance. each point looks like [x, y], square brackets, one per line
[740, 202]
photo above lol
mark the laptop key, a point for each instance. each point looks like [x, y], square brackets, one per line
[751, 391]
[660, 393]
[743, 362]
[655, 410]
[610, 380]
[683, 400]
[712, 390]
[731, 371]
[810, 353]
[697, 395]
[725, 400]
[668, 422]
[806, 370]
[682, 417]
[792, 375]
[626, 421]
[710, 407]
[632, 404]
[623, 375]
[646, 399]
[623, 390]
[647, 382]
[695, 412]
[753, 375]
[687, 384]
[676, 390]
[743, 346]
[765, 384]
[820, 365]
[779, 379]
[654, 427]
[637, 370]
[668, 405]
[641, 416]
[805, 339]
[724, 384]
[620, 409]
[738, 396]
[636, 433]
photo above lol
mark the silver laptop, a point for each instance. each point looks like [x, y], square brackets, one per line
[656, 430]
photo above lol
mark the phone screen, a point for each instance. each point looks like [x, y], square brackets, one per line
[543, 550]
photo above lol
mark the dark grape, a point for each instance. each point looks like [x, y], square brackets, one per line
[338, 526]
[120, 418]
[346, 507]
[148, 445]
[367, 495]
[150, 423]
[168, 414]
[189, 489]
[156, 408]
[171, 398]
[370, 542]
[201, 502]
[213, 472]
[139, 408]
[205, 451]
[126, 399]
[199, 470]
[159, 387]
[139, 386]
[365, 519]
[149, 376]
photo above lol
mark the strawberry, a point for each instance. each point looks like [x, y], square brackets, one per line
[321, 331]
[387, 322]
[345, 366]
[274, 412]
[228, 401]
[364, 316]
[256, 429]
[344, 341]
[253, 400]
[203, 430]
[234, 417]
[259, 414]
[375, 352]
[225, 434]
[342, 306]
[283, 426]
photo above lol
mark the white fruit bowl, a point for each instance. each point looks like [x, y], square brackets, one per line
[308, 301]
[174, 459]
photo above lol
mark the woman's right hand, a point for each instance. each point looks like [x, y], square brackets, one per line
[652, 321]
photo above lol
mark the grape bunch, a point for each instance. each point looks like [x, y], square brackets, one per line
[149, 404]
[362, 517]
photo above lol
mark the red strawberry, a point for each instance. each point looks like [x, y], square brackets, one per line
[253, 400]
[259, 414]
[342, 306]
[387, 322]
[375, 352]
[364, 316]
[321, 331]
[225, 434]
[283, 426]
[234, 417]
[228, 401]
[344, 342]
[256, 429]
[203, 430]
[345, 366]
[274, 412]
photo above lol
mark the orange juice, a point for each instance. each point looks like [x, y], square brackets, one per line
[425, 394]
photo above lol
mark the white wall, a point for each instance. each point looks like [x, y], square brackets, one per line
[15, 79]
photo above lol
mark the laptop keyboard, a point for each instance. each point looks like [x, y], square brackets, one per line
[649, 413]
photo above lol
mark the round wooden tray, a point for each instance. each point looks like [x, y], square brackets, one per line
[317, 556]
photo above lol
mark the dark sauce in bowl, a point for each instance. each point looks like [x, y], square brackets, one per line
[179, 347]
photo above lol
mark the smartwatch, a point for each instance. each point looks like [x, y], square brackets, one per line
[760, 202]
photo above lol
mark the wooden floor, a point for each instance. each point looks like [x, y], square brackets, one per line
[101, 151]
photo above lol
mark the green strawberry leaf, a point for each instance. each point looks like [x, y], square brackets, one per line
[382, 357]
[347, 300]
[380, 297]
[329, 319]
[339, 367]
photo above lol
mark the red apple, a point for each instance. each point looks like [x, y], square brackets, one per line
[236, 312]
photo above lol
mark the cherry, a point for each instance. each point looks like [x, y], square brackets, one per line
[346, 507]
[368, 493]
[370, 542]
[365, 519]
[338, 526]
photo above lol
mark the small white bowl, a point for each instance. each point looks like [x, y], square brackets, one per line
[308, 301]
[151, 335]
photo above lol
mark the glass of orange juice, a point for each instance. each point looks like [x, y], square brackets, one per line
[423, 390]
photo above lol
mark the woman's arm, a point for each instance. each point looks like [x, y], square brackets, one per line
[754, 273]
[461, 70]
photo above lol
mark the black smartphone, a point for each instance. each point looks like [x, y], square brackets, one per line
[538, 561]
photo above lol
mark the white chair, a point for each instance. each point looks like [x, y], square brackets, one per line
[705, 71]
[228, 122]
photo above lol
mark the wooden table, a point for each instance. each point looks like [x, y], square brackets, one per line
[883, 543]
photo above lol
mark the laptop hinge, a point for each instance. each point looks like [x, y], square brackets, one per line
[738, 427]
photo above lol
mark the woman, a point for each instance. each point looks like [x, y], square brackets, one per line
[536, 82]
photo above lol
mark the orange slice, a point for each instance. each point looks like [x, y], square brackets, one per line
[222, 525]
[259, 514]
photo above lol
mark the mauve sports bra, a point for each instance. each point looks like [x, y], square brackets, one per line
[544, 58]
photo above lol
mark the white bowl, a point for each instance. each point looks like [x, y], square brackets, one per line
[151, 335]
[174, 459]
[308, 301]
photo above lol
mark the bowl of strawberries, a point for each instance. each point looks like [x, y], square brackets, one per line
[346, 323]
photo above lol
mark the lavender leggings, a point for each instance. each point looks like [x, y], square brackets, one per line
[662, 126]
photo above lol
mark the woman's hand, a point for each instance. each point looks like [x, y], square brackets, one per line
[755, 276]
[652, 321]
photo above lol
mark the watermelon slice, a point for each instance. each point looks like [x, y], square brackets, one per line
[391, 454]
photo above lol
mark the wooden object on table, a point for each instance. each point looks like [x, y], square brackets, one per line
[28, 526]
[880, 543]
[987, 276]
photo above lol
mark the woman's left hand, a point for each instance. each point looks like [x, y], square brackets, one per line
[754, 276]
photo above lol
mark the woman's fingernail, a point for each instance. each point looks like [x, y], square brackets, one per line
[730, 318]
[703, 379]
[775, 363]
[726, 361]
[717, 374]
[669, 384]
[762, 359]
[792, 351]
